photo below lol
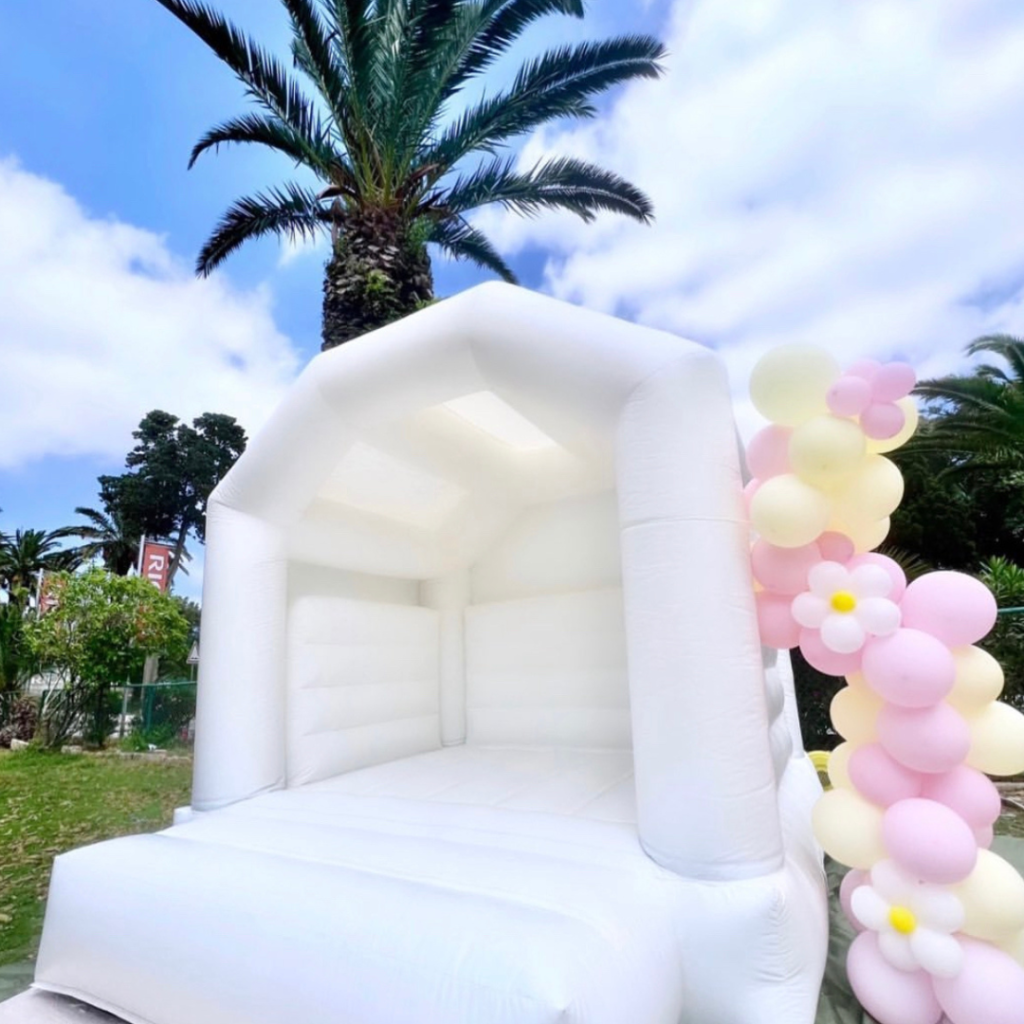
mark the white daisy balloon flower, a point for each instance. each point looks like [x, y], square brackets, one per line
[847, 606]
[914, 920]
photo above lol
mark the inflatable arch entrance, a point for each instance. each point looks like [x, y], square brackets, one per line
[485, 733]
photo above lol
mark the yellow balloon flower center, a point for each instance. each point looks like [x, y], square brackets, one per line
[902, 920]
[843, 601]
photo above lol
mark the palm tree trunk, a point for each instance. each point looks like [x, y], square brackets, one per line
[379, 273]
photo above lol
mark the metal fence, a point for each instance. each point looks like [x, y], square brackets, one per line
[153, 714]
[161, 713]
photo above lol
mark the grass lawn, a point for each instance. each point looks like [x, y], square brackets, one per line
[50, 803]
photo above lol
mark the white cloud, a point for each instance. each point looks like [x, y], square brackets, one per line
[293, 248]
[826, 171]
[100, 323]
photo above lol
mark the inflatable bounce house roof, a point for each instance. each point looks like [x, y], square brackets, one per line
[485, 731]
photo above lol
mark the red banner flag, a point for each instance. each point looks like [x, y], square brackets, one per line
[156, 563]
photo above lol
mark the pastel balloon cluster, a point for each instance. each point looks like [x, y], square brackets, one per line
[820, 466]
[940, 916]
[872, 392]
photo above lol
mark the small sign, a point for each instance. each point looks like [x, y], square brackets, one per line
[156, 564]
[193, 655]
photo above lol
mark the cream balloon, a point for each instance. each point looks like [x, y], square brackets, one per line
[979, 680]
[849, 828]
[789, 384]
[838, 765]
[867, 536]
[997, 740]
[873, 492]
[789, 513]
[993, 899]
[826, 449]
[1014, 946]
[854, 712]
[890, 444]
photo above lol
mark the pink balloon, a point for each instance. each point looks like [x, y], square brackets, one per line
[909, 668]
[768, 452]
[880, 779]
[891, 996]
[983, 836]
[893, 382]
[824, 660]
[930, 841]
[835, 547]
[988, 990]
[849, 396]
[931, 740]
[896, 574]
[956, 608]
[853, 879]
[775, 621]
[882, 420]
[783, 570]
[968, 792]
[866, 368]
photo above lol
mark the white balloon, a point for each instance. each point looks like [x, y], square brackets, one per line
[879, 615]
[871, 581]
[809, 610]
[825, 578]
[842, 634]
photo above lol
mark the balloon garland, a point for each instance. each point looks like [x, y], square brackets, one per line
[940, 917]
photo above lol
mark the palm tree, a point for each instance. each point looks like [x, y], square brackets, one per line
[979, 417]
[26, 553]
[398, 166]
[109, 537]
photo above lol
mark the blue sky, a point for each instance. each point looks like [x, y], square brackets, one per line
[822, 171]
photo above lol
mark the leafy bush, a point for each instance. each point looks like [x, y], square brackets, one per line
[1006, 581]
[100, 634]
[1006, 642]
[141, 739]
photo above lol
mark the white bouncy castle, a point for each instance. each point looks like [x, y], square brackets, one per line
[486, 734]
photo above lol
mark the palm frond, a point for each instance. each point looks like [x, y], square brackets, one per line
[460, 240]
[506, 22]
[1006, 345]
[288, 210]
[980, 394]
[560, 83]
[978, 419]
[567, 183]
[257, 129]
[263, 75]
[312, 52]
[100, 524]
